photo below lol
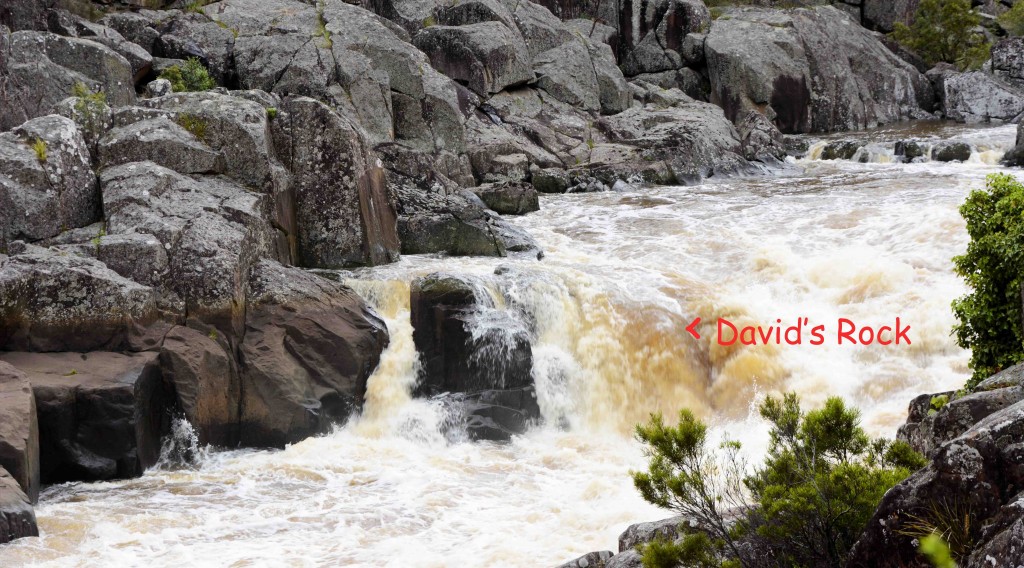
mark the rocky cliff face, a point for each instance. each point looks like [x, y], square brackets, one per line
[153, 243]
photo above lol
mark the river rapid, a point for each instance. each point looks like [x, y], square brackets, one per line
[623, 274]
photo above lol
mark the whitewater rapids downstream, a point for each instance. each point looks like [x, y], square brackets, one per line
[623, 275]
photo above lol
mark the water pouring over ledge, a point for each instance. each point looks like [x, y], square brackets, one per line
[623, 275]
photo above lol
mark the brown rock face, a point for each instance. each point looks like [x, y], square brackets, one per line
[19, 430]
[101, 414]
[310, 345]
[206, 381]
[17, 519]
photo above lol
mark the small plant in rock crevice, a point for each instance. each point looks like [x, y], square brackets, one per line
[39, 147]
[194, 124]
[190, 76]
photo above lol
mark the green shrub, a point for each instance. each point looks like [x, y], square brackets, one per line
[945, 30]
[990, 315]
[937, 402]
[1013, 20]
[936, 551]
[189, 77]
[806, 504]
[271, 113]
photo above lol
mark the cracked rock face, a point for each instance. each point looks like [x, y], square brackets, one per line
[46, 181]
[785, 65]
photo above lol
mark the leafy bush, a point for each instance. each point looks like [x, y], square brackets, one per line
[189, 77]
[804, 506]
[990, 316]
[1013, 20]
[945, 30]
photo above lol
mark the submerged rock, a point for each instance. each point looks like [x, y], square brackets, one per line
[469, 347]
[101, 415]
[951, 152]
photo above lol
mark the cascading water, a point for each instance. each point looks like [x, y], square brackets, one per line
[624, 273]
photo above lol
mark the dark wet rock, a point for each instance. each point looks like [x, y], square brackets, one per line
[310, 346]
[882, 15]
[162, 141]
[43, 68]
[469, 346]
[928, 428]
[784, 65]
[101, 414]
[52, 301]
[509, 198]
[17, 519]
[977, 96]
[213, 230]
[908, 150]
[551, 180]
[206, 383]
[760, 139]
[19, 430]
[1015, 156]
[344, 216]
[589, 560]
[796, 146]
[43, 194]
[977, 474]
[951, 152]
[487, 57]
[842, 150]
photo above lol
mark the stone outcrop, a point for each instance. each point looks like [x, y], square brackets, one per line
[17, 519]
[975, 475]
[810, 70]
[19, 430]
[469, 348]
[101, 414]
[309, 347]
[46, 181]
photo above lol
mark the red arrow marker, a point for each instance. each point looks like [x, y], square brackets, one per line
[692, 328]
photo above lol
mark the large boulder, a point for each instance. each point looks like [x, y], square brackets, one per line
[17, 519]
[471, 347]
[977, 96]
[54, 301]
[43, 68]
[343, 213]
[927, 431]
[310, 346]
[213, 230]
[19, 430]
[101, 415]
[487, 57]
[784, 64]
[681, 144]
[1008, 60]
[46, 181]
[163, 141]
[206, 383]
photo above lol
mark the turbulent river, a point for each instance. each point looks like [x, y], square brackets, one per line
[623, 275]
